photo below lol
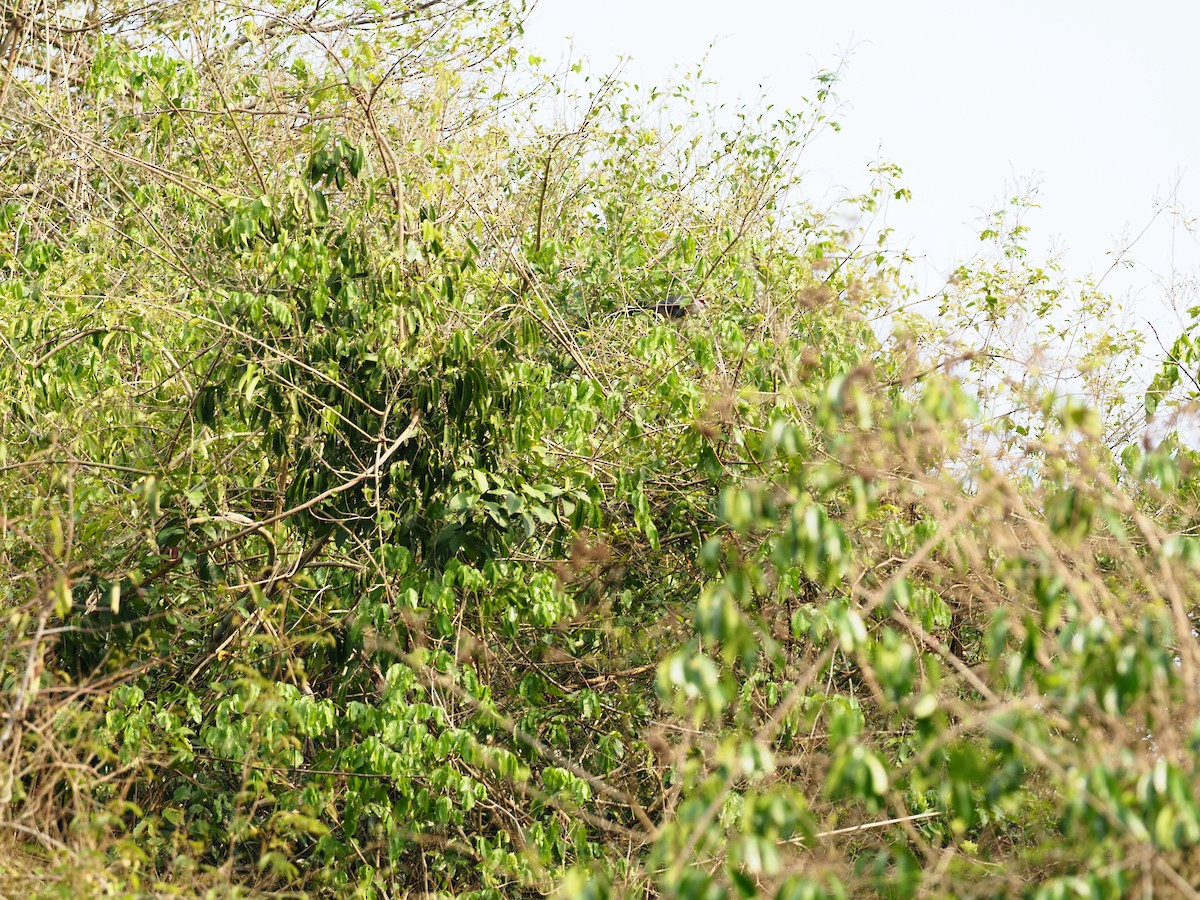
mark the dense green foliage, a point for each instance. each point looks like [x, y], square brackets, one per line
[358, 539]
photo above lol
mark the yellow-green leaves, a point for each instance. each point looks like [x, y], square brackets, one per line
[810, 539]
[1069, 514]
[693, 683]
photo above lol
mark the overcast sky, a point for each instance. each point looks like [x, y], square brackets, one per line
[1098, 101]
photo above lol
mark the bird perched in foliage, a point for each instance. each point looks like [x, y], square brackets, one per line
[674, 306]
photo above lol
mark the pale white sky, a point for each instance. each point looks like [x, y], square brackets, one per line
[1098, 100]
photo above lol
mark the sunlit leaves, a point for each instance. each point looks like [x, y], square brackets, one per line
[817, 543]
[693, 682]
[383, 544]
[859, 773]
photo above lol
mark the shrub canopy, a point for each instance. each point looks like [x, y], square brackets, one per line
[359, 538]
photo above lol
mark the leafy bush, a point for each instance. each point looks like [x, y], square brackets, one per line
[360, 539]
